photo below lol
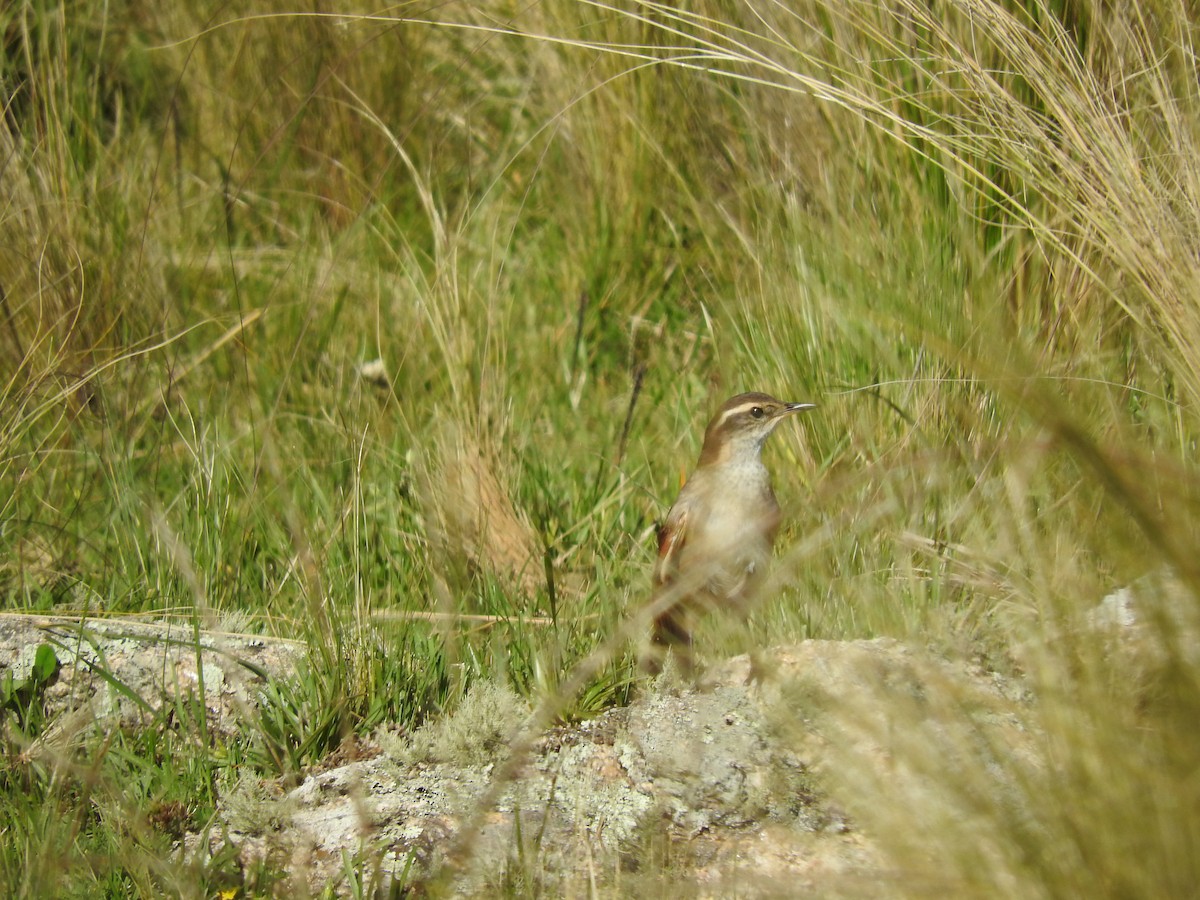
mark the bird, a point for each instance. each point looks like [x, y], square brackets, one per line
[715, 544]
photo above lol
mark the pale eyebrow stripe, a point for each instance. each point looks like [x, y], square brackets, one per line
[741, 407]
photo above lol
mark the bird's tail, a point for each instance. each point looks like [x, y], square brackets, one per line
[670, 633]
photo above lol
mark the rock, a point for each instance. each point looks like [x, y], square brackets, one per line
[727, 782]
[374, 371]
[120, 672]
[708, 791]
[1152, 619]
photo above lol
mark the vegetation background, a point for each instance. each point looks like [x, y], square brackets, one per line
[969, 230]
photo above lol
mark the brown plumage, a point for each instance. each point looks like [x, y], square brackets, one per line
[715, 545]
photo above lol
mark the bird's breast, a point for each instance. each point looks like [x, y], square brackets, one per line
[728, 546]
[735, 531]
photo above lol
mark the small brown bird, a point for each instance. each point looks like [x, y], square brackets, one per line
[714, 547]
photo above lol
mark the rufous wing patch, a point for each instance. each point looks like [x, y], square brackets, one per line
[670, 542]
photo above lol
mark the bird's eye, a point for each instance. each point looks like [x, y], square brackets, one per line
[757, 412]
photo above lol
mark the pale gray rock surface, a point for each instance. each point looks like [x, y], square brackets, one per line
[711, 790]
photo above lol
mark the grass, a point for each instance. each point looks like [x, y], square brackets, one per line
[569, 232]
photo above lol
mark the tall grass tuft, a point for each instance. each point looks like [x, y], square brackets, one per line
[1007, 256]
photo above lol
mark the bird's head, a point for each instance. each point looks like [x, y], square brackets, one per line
[742, 425]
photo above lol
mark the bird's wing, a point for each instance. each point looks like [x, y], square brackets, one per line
[672, 535]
